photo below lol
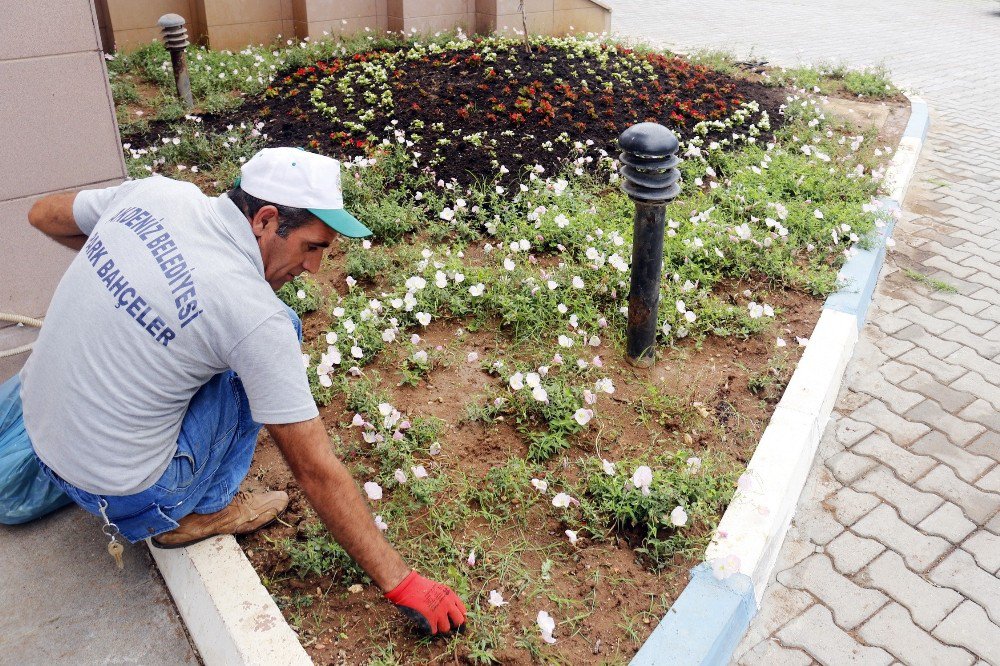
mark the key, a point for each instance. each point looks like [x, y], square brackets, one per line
[115, 550]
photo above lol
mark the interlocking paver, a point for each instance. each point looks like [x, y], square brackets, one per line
[848, 467]
[987, 444]
[970, 627]
[985, 549]
[946, 396]
[850, 552]
[777, 606]
[943, 371]
[848, 505]
[983, 413]
[851, 604]
[900, 430]
[919, 550]
[892, 629]
[769, 651]
[848, 431]
[815, 632]
[949, 522]
[968, 465]
[960, 572]
[977, 504]
[912, 504]
[990, 482]
[906, 465]
[974, 383]
[927, 603]
[958, 430]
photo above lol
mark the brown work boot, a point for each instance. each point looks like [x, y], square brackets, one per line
[246, 513]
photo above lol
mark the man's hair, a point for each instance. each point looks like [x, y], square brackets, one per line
[291, 218]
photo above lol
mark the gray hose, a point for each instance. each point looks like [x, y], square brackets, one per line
[18, 319]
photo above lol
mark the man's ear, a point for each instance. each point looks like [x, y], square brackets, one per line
[265, 218]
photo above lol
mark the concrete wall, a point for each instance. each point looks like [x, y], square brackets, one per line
[232, 24]
[58, 133]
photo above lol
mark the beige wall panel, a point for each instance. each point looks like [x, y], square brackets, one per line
[576, 4]
[237, 36]
[577, 21]
[485, 23]
[72, 138]
[530, 6]
[432, 24]
[228, 12]
[415, 8]
[382, 23]
[315, 28]
[288, 29]
[395, 8]
[486, 7]
[539, 23]
[132, 14]
[45, 27]
[129, 40]
[330, 10]
[287, 11]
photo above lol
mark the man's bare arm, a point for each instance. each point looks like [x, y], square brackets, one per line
[334, 494]
[53, 215]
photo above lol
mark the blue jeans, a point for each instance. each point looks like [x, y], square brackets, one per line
[214, 451]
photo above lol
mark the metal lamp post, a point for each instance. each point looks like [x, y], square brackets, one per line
[175, 38]
[650, 178]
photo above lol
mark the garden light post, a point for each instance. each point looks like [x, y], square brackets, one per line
[175, 39]
[650, 179]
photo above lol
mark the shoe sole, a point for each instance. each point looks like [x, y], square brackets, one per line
[157, 544]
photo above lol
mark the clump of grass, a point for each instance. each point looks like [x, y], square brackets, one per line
[933, 283]
[303, 295]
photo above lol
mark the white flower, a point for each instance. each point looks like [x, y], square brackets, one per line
[325, 381]
[562, 221]
[496, 599]
[546, 625]
[358, 421]
[477, 289]
[385, 409]
[756, 311]
[374, 490]
[608, 467]
[565, 341]
[583, 416]
[694, 465]
[516, 381]
[532, 380]
[572, 536]
[642, 478]
[349, 325]
[780, 342]
[447, 214]
[424, 318]
[690, 316]
[509, 264]
[388, 335]
[420, 356]
[818, 213]
[471, 561]
[338, 313]
[357, 352]
[802, 341]
[381, 524]
[678, 517]
[541, 485]
[604, 386]
[415, 283]
[350, 281]
[440, 280]
[472, 357]
[562, 501]
[419, 471]
[540, 394]
[681, 308]
[724, 567]
[434, 449]
[578, 282]
[562, 308]
[331, 338]
[300, 294]
[400, 476]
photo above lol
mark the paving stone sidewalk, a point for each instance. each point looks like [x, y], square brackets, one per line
[894, 552]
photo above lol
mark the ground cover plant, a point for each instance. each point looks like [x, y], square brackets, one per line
[468, 357]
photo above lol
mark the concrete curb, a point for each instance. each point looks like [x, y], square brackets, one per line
[231, 618]
[708, 620]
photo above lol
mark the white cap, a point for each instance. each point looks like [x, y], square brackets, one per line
[300, 179]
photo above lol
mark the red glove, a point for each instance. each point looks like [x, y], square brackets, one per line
[432, 606]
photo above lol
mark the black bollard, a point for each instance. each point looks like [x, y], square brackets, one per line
[175, 39]
[650, 178]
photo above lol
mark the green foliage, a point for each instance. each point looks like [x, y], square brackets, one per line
[703, 494]
[303, 295]
[315, 553]
[873, 83]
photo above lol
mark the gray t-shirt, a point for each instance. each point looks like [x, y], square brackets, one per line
[168, 291]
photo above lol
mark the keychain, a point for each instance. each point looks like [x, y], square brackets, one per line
[110, 530]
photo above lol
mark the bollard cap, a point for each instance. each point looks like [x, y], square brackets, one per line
[649, 161]
[171, 21]
[648, 140]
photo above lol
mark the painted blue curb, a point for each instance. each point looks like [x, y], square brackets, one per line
[919, 122]
[859, 274]
[704, 625]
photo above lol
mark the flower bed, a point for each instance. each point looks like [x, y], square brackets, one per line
[468, 358]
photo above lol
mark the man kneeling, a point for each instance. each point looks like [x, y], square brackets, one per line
[165, 349]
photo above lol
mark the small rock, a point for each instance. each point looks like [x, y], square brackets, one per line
[356, 588]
